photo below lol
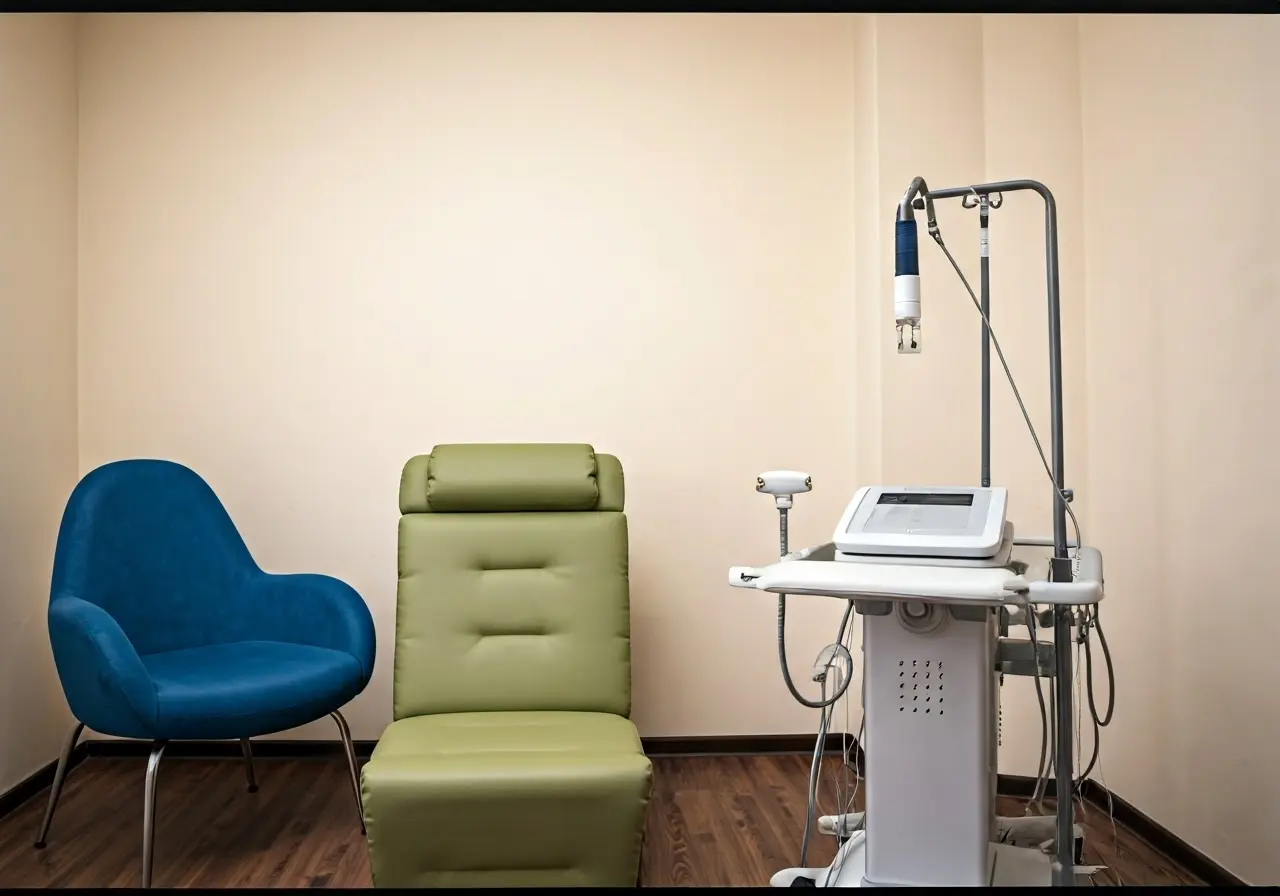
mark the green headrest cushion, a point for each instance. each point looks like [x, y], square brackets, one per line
[511, 478]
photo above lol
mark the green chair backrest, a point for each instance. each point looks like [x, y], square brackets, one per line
[513, 591]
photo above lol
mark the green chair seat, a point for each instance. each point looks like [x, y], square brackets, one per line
[508, 799]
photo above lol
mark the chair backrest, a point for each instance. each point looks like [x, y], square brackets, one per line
[150, 543]
[513, 591]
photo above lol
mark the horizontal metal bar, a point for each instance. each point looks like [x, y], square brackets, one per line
[1039, 541]
[1006, 186]
[1018, 656]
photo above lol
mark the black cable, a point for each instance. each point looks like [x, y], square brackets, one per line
[1093, 758]
[1042, 767]
[1111, 673]
[1098, 723]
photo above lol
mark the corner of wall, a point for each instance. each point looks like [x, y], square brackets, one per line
[37, 379]
[868, 314]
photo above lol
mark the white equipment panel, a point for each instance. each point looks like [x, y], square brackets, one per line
[929, 725]
[943, 521]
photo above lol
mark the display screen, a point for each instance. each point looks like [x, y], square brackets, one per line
[927, 499]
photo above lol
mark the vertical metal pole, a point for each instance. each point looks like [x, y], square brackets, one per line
[1064, 858]
[59, 778]
[984, 203]
[246, 750]
[149, 812]
[1057, 448]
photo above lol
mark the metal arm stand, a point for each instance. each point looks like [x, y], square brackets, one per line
[986, 197]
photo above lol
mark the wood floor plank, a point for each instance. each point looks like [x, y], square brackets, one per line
[713, 821]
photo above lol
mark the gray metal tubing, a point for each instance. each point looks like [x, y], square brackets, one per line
[352, 765]
[1064, 865]
[59, 778]
[1039, 541]
[246, 749]
[1057, 454]
[905, 210]
[815, 769]
[149, 811]
[1064, 874]
[984, 268]
[153, 770]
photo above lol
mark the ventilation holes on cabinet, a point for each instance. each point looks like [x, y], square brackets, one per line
[928, 667]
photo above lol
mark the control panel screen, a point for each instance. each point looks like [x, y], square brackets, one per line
[927, 499]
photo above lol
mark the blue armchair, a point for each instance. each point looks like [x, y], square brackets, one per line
[164, 628]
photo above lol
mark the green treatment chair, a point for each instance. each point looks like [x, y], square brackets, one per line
[510, 760]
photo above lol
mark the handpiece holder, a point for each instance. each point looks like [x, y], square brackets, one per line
[906, 265]
[784, 485]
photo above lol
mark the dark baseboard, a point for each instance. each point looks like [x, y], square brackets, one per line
[1137, 821]
[1163, 839]
[1124, 812]
[24, 790]
[739, 744]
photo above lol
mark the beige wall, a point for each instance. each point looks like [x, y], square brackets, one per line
[37, 370]
[313, 246]
[1181, 143]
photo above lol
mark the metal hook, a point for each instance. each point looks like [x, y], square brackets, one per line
[973, 199]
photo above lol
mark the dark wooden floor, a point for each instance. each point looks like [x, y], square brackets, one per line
[714, 821]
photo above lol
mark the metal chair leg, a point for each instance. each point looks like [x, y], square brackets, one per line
[149, 811]
[352, 765]
[59, 778]
[247, 750]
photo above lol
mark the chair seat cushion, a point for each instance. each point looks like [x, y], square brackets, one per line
[507, 799]
[248, 688]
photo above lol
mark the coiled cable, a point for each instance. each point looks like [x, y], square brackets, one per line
[825, 702]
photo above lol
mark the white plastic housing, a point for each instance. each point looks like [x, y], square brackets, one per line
[979, 534]
[906, 298]
[783, 482]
